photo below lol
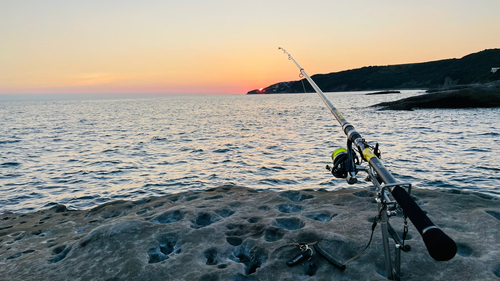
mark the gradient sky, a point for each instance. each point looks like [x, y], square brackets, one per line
[194, 46]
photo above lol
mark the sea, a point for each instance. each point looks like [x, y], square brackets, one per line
[86, 150]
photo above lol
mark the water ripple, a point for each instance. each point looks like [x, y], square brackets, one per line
[83, 153]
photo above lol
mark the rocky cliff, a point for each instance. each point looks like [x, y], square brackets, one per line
[473, 68]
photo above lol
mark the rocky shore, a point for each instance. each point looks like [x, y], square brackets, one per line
[469, 96]
[237, 233]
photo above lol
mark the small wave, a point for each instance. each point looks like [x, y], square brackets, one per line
[138, 192]
[86, 197]
[19, 198]
[159, 139]
[51, 187]
[155, 185]
[438, 184]
[489, 168]
[9, 141]
[109, 172]
[168, 184]
[273, 168]
[10, 164]
[9, 176]
[272, 147]
[71, 181]
[328, 182]
[121, 196]
[222, 150]
[272, 181]
[172, 163]
[494, 134]
[129, 168]
[478, 149]
[79, 172]
[105, 162]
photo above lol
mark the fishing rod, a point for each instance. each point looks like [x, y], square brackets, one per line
[439, 245]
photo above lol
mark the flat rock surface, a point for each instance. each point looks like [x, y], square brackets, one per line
[236, 233]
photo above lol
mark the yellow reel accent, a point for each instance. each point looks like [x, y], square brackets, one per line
[367, 153]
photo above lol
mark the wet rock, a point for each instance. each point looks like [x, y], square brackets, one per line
[472, 96]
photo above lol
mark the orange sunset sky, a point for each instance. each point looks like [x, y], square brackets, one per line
[227, 47]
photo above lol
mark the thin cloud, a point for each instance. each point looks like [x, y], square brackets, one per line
[90, 79]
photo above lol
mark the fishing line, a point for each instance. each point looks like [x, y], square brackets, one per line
[374, 226]
[303, 86]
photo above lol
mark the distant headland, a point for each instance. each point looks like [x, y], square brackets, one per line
[476, 68]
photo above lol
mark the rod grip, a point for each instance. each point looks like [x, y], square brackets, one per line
[329, 258]
[439, 245]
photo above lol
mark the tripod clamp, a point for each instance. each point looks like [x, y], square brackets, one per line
[387, 208]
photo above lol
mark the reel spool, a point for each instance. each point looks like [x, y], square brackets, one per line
[339, 157]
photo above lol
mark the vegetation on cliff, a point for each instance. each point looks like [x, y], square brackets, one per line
[473, 68]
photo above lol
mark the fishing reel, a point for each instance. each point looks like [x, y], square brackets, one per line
[339, 169]
[344, 165]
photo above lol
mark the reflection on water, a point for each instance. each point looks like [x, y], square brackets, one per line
[85, 152]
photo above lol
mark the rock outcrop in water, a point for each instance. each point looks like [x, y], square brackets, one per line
[383, 93]
[236, 233]
[472, 96]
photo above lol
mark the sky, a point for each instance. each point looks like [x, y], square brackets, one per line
[224, 46]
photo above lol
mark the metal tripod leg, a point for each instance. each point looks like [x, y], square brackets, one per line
[393, 272]
[385, 238]
[397, 262]
[397, 248]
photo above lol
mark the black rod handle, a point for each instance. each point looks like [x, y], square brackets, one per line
[329, 258]
[439, 245]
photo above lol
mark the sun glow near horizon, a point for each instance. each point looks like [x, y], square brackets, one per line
[223, 46]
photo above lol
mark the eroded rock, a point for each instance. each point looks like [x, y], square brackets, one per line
[235, 233]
